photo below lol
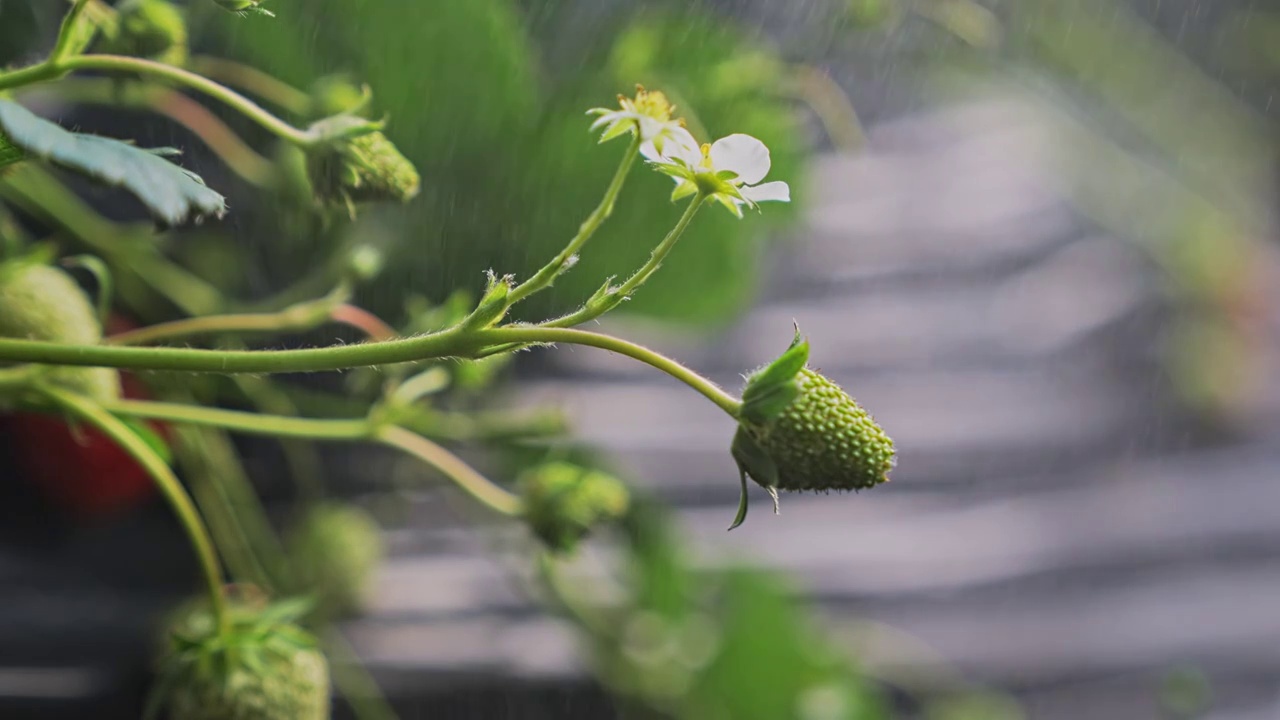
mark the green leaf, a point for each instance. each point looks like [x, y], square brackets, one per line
[171, 193]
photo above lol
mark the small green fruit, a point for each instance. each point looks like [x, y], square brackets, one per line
[263, 668]
[798, 431]
[154, 29]
[824, 440]
[40, 302]
[335, 550]
[563, 502]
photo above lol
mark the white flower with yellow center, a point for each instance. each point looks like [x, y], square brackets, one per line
[647, 115]
[728, 170]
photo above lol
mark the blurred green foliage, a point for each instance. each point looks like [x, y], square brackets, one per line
[509, 169]
[730, 644]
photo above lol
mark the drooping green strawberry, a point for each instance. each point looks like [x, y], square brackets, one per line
[800, 431]
[563, 502]
[333, 552]
[264, 668]
[40, 302]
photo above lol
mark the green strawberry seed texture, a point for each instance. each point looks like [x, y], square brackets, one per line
[824, 440]
[292, 686]
[39, 302]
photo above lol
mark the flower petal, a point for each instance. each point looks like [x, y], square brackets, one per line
[673, 143]
[776, 190]
[742, 154]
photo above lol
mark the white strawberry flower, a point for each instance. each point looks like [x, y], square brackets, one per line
[648, 115]
[728, 170]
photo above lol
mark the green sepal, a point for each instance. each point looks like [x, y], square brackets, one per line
[754, 461]
[772, 388]
[602, 293]
[287, 611]
[346, 126]
[683, 190]
[493, 304]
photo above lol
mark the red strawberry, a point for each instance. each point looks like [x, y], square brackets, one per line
[76, 467]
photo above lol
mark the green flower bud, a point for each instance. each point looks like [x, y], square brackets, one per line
[153, 29]
[800, 431]
[243, 7]
[360, 166]
[334, 551]
[41, 302]
[563, 502]
[264, 668]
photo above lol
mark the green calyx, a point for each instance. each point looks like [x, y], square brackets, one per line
[563, 502]
[41, 302]
[152, 29]
[357, 163]
[334, 551]
[800, 431]
[264, 667]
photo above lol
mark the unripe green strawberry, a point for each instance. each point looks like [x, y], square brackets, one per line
[824, 440]
[263, 668]
[563, 502]
[40, 302]
[334, 551]
[154, 29]
[799, 431]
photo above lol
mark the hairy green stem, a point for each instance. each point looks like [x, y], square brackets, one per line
[547, 275]
[537, 334]
[614, 296]
[53, 69]
[165, 480]
[448, 343]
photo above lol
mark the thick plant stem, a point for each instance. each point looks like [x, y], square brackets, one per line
[547, 275]
[522, 334]
[448, 343]
[614, 296]
[56, 68]
[165, 480]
